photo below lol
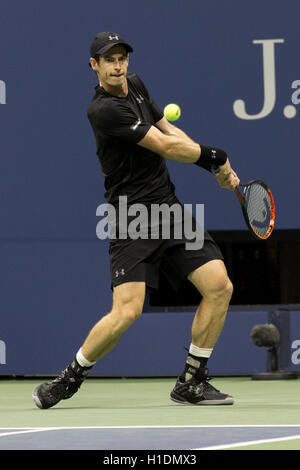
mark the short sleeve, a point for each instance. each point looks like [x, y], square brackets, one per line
[156, 111]
[119, 120]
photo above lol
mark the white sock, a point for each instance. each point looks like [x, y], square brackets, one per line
[82, 361]
[200, 352]
[192, 363]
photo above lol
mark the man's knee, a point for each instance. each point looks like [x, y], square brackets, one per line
[132, 311]
[128, 306]
[228, 288]
[222, 288]
[221, 291]
[212, 281]
[127, 313]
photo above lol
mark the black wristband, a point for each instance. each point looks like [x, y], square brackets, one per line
[211, 156]
[206, 166]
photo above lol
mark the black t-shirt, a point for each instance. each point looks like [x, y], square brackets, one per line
[129, 169]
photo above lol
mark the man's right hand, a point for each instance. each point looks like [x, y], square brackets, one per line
[226, 177]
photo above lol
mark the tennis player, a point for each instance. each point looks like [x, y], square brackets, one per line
[133, 140]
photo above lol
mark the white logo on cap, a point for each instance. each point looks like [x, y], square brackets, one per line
[113, 37]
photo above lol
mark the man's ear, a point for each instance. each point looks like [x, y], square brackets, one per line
[93, 63]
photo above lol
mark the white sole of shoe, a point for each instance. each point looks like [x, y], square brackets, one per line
[36, 400]
[226, 401]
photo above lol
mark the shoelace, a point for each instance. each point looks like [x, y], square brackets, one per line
[205, 384]
[210, 385]
[66, 378]
[61, 377]
[70, 377]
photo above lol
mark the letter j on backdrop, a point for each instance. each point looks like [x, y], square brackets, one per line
[2, 352]
[269, 81]
[2, 92]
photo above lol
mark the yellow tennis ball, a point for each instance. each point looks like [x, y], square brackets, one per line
[172, 112]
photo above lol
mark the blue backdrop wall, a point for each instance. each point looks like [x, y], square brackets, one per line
[232, 67]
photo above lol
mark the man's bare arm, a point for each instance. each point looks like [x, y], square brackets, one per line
[226, 172]
[169, 129]
[171, 146]
[172, 143]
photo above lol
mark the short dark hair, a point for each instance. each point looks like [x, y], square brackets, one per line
[97, 58]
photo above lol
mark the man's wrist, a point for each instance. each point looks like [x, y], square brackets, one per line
[210, 156]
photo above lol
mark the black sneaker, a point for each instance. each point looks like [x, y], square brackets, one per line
[194, 392]
[61, 388]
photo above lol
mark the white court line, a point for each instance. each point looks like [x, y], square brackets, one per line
[226, 446]
[249, 443]
[25, 431]
[28, 429]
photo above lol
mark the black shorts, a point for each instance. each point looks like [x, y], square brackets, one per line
[145, 260]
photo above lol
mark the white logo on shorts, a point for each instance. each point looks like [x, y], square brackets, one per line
[120, 273]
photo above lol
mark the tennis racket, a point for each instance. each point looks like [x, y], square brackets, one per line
[257, 205]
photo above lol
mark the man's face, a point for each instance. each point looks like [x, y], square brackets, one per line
[112, 67]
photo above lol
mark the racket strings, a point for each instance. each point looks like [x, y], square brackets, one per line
[259, 208]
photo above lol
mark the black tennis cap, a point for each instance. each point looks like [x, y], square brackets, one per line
[102, 42]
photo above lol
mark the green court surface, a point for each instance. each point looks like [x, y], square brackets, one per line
[145, 402]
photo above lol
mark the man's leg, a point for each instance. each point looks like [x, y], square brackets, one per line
[213, 283]
[128, 300]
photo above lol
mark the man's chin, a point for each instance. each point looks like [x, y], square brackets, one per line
[117, 83]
